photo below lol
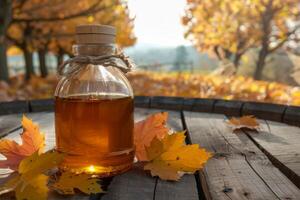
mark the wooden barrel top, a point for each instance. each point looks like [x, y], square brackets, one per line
[245, 165]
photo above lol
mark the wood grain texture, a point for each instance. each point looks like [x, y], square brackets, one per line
[292, 115]
[267, 111]
[231, 108]
[9, 123]
[142, 101]
[138, 184]
[134, 184]
[203, 105]
[41, 105]
[281, 143]
[170, 103]
[13, 107]
[186, 188]
[238, 170]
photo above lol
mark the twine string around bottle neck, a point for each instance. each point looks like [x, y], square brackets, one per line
[112, 60]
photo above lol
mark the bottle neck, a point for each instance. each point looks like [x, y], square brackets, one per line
[93, 49]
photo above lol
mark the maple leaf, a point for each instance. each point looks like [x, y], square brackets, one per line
[146, 130]
[36, 190]
[32, 140]
[247, 121]
[68, 181]
[37, 164]
[170, 156]
[31, 182]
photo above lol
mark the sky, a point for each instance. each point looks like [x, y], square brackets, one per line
[157, 22]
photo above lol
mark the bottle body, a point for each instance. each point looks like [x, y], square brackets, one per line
[95, 132]
[94, 120]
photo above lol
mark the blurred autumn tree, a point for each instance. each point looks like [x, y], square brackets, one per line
[228, 28]
[5, 19]
[48, 25]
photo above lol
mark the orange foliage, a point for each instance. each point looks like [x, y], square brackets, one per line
[146, 130]
[32, 141]
[213, 86]
[170, 84]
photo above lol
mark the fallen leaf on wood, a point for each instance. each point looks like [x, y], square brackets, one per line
[36, 190]
[32, 140]
[146, 130]
[170, 157]
[31, 182]
[247, 121]
[68, 181]
[37, 164]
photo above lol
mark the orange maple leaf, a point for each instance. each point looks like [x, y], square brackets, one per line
[32, 140]
[146, 130]
[248, 121]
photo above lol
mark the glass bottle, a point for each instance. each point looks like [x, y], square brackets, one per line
[94, 109]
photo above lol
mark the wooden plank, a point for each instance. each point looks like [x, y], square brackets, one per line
[280, 142]
[41, 105]
[131, 185]
[238, 170]
[292, 115]
[142, 101]
[264, 110]
[231, 108]
[188, 104]
[170, 103]
[198, 104]
[203, 105]
[9, 123]
[13, 107]
[186, 188]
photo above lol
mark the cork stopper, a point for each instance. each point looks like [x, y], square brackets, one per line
[95, 34]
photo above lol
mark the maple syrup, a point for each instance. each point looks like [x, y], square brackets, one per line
[95, 132]
[94, 106]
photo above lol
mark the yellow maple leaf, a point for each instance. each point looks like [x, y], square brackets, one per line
[68, 181]
[31, 183]
[36, 190]
[170, 156]
[247, 121]
[37, 164]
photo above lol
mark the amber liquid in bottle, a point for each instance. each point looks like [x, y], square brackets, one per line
[95, 133]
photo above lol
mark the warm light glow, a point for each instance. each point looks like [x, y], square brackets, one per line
[91, 168]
